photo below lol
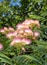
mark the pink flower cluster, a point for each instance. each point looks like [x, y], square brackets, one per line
[1, 46]
[24, 32]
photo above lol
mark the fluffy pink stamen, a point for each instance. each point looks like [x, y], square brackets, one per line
[36, 34]
[29, 31]
[11, 29]
[16, 40]
[1, 46]
[19, 26]
[26, 41]
[2, 30]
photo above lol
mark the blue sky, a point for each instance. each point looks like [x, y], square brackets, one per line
[1, 0]
[13, 3]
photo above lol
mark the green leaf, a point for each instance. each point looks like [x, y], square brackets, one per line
[26, 60]
[5, 59]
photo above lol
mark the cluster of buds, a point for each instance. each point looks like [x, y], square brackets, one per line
[23, 34]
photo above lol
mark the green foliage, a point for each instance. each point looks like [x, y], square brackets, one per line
[5, 59]
[5, 41]
[27, 60]
[34, 54]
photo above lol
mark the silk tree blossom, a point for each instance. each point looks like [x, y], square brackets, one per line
[5, 28]
[11, 29]
[23, 32]
[15, 41]
[23, 41]
[36, 35]
[28, 31]
[28, 21]
[20, 31]
[25, 35]
[20, 35]
[31, 23]
[15, 33]
[21, 26]
[26, 41]
[37, 23]
[1, 46]
[2, 30]
[11, 35]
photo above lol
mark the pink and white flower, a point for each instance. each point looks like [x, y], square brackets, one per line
[20, 31]
[2, 31]
[9, 35]
[11, 29]
[28, 21]
[36, 35]
[5, 28]
[37, 23]
[26, 41]
[28, 31]
[1, 46]
[15, 41]
[21, 26]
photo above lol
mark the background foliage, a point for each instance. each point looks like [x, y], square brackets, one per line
[36, 53]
